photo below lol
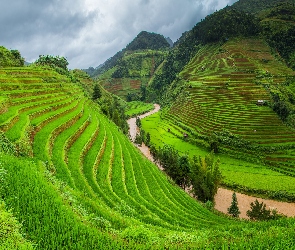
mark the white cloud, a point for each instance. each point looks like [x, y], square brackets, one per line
[89, 32]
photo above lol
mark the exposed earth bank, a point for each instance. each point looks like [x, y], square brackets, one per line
[223, 197]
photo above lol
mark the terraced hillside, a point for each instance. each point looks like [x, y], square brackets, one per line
[134, 71]
[223, 86]
[86, 186]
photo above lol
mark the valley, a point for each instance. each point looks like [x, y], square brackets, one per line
[216, 110]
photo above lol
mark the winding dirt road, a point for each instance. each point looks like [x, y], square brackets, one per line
[223, 197]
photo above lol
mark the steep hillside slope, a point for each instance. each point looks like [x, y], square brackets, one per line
[256, 6]
[128, 72]
[132, 74]
[221, 87]
[86, 186]
[143, 41]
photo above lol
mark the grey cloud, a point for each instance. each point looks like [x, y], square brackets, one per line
[88, 32]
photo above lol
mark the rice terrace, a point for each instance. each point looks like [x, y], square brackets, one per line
[185, 145]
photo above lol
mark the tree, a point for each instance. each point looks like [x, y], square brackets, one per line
[183, 171]
[234, 209]
[138, 122]
[258, 211]
[205, 177]
[147, 139]
[96, 92]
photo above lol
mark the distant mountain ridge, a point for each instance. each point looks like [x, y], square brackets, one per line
[143, 41]
[256, 6]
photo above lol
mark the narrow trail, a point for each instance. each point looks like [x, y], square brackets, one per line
[223, 197]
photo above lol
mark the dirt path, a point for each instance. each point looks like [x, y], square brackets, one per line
[223, 197]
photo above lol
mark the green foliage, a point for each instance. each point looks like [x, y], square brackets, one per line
[115, 111]
[258, 211]
[6, 145]
[137, 108]
[205, 177]
[143, 41]
[284, 101]
[10, 58]
[217, 27]
[147, 40]
[10, 231]
[138, 122]
[96, 92]
[60, 64]
[147, 139]
[234, 209]
[256, 6]
[278, 29]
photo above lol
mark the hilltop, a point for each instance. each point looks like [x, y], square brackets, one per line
[143, 41]
[128, 72]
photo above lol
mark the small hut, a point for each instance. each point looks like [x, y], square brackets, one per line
[260, 102]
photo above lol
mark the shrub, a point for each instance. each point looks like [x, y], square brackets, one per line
[258, 211]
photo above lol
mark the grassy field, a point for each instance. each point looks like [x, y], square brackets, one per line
[220, 89]
[250, 176]
[74, 181]
[137, 108]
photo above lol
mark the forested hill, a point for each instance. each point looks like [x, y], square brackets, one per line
[217, 27]
[147, 40]
[271, 20]
[256, 6]
[143, 41]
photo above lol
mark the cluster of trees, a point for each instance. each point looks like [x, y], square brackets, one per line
[256, 212]
[10, 58]
[256, 6]
[283, 103]
[141, 96]
[113, 109]
[281, 34]
[60, 64]
[201, 174]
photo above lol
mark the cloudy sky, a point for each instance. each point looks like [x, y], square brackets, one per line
[87, 32]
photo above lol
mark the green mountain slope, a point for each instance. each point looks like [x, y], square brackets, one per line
[143, 41]
[256, 6]
[76, 182]
[219, 93]
[129, 71]
[214, 80]
[132, 74]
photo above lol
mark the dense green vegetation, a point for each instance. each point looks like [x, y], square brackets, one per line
[144, 41]
[147, 40]
[11, 237]
[75, 181]
[132, 74]
[256, 6]
[243, 175]
[137, 108]
[10, 58]
[71, 179]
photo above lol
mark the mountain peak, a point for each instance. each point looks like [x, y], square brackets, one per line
[148, 40]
